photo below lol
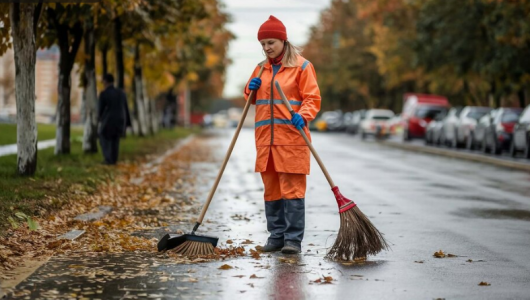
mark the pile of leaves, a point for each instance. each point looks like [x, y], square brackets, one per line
[144, 196]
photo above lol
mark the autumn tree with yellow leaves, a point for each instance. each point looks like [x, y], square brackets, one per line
[368, 53]
[157, 45]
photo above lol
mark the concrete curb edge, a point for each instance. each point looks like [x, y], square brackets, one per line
[460, 155]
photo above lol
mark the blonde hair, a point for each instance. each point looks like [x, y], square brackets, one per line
[290, 58]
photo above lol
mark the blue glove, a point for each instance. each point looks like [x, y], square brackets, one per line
[298, 121]
[254, 84]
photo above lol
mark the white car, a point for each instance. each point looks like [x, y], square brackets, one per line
[376, 119]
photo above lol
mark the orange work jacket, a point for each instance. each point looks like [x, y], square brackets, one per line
[275, 134]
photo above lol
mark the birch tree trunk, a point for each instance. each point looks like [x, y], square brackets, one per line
[148, 110]
[139, 103]
[90, 91]
[154, 117]
[24, 19]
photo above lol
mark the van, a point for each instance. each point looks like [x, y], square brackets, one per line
[418, 111]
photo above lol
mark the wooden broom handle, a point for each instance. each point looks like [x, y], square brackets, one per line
[228, 153]
[302, 132]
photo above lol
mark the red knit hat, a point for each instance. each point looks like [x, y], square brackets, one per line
[272, 29]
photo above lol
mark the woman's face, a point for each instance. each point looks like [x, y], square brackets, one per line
[272, 47]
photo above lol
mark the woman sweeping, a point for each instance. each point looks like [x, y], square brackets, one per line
[282, 154]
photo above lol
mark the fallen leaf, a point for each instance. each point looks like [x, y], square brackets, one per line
[324, 280]
[229, 242]
[225, 267]
[247, 242]
[418, 261]
[239, 276]
[286, 260]
[484, 283]
[55, 244]
[254, 254]
[439, 254]
[469, 260]
[451, 255]
[253, 276]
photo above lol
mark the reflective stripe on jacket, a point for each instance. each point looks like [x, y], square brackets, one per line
[273, 121]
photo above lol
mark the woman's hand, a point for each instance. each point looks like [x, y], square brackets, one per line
[298, 121]
[254, 84]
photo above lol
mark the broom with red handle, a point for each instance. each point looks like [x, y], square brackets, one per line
[357, 237]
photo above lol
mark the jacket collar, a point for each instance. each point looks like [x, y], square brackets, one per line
[267, 65]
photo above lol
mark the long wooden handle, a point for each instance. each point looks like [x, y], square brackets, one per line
[313, 150]
[227, 156]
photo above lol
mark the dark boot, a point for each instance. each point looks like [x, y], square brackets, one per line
[275, 214]
[292, 247]
[295, 219]
[273, 245]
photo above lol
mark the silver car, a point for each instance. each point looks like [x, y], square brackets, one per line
[464, 125]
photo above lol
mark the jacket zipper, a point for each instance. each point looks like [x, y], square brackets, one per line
[272, 104]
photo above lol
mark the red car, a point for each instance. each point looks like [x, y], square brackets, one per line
[418, 111]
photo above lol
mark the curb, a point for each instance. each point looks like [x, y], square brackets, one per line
[461, 155]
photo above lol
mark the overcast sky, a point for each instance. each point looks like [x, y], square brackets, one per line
[247, 16]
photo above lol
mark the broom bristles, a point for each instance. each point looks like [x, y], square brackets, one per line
[357, 237]
[190, 248]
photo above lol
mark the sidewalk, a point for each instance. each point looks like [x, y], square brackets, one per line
[12, 149]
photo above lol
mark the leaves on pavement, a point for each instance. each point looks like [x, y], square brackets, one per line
[225, 267]
[324, 280]
[439, 254]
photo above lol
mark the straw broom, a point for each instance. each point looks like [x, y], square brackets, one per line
[357, 237]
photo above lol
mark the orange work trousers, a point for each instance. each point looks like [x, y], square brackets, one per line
[282, 185]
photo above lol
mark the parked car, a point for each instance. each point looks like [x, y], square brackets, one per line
[376, 119]
[434, 130]
[220, 119]
[396, 125]
[466, 123]
[346, 119]
[234, 116]
[449, 125]
[352, 126]
[521, 135]
[418, 111]
[333, 120]
[496, 129]
[477, 136]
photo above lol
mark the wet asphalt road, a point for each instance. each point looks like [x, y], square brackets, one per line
[422, 203]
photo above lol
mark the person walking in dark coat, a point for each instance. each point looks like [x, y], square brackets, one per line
[114, 119]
